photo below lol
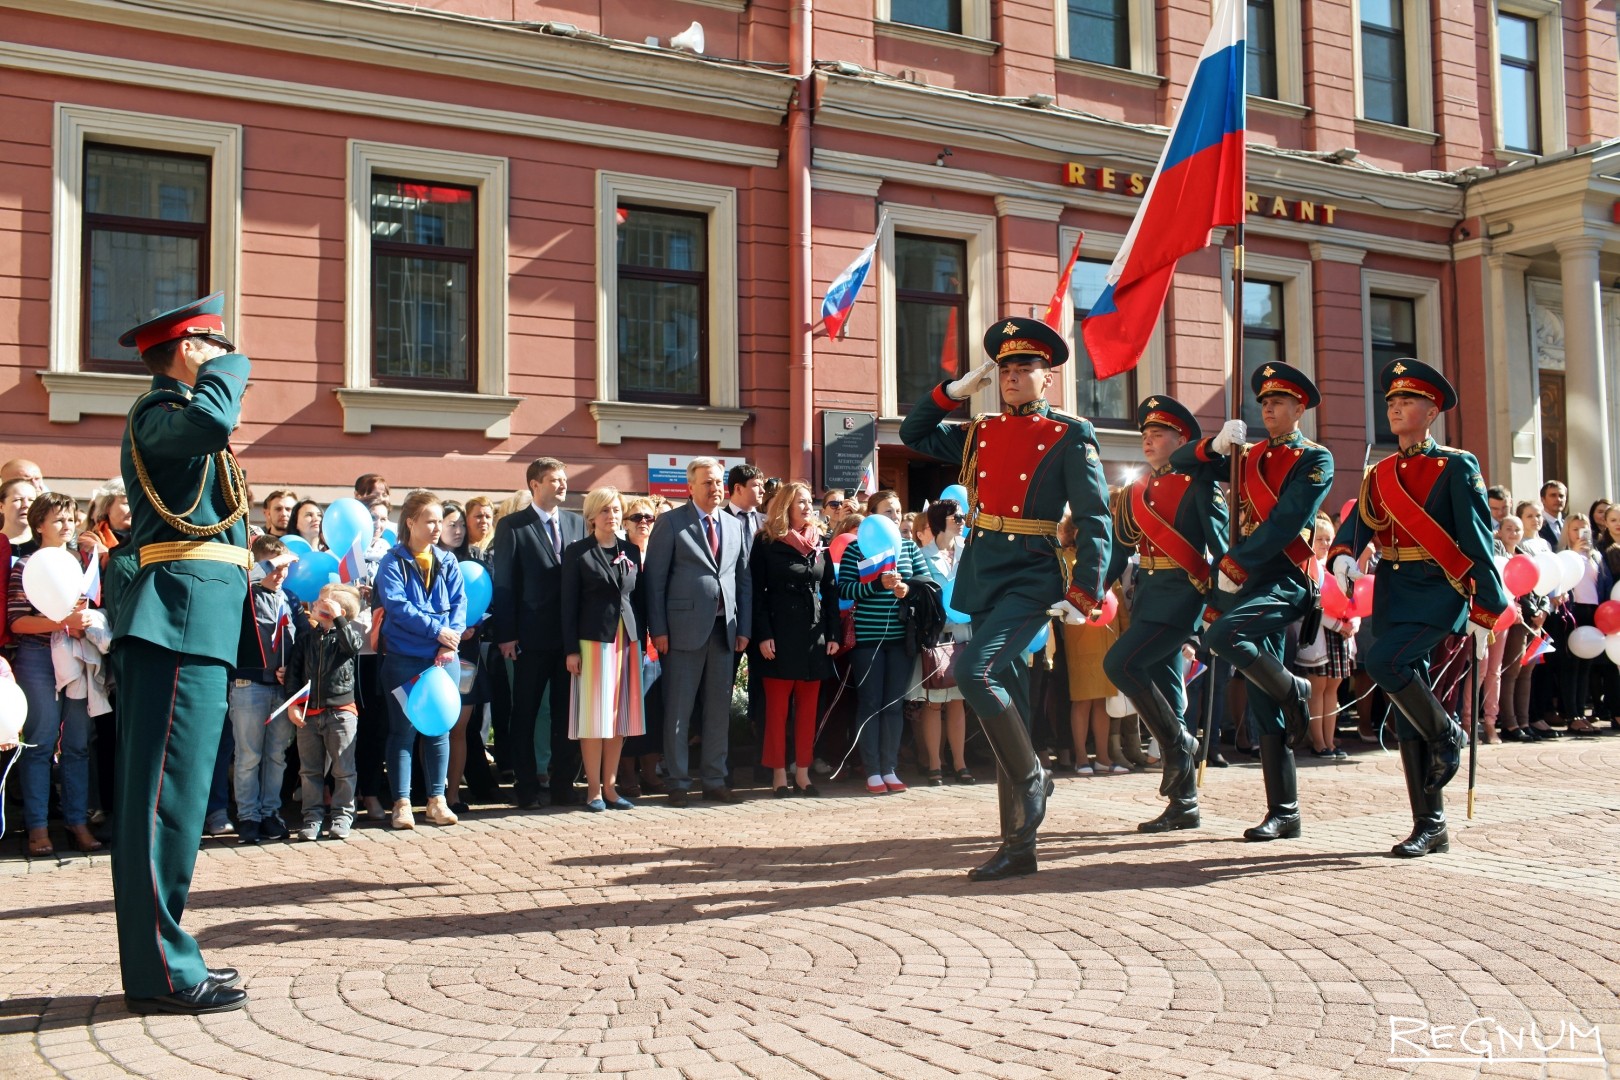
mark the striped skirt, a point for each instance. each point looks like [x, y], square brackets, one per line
[605, 702]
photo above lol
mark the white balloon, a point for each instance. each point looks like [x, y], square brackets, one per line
[1614, 593]
[1587, 642]
[54, 582]
[1118, 706]
[1550, 571]
[14, 711]
[1574, 567]
[1611, 645]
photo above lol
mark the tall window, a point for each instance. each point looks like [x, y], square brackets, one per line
[663, 292]
[930, 314]
[1264, 340]
[1111, 402]
[1262, 49]
[424, 259]
[1520, 75]
[1383, 61]
[1099, 31]
[145, 243]
[934, 14]
[1394, 334]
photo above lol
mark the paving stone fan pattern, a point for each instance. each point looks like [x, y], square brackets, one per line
[838, 938]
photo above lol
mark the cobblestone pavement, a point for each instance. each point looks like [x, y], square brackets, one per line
[838, 938]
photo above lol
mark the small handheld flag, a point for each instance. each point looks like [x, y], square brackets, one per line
[352, 567]
[868, 484]
[92, 581]
[1539, 649]
[300, 696]
[875, 566]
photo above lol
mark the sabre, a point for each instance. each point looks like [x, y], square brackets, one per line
[1473, 723]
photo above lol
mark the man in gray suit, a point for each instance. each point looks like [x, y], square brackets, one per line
[699, 608]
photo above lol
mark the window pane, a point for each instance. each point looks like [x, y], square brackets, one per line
[660, 338]
[1521, 122]
[1382, 13]
[1516, 37]
[922, 264]
[421, 318]
[1263, 340]
[1393, 324]
[1383, 75]
[661, 240]
[1099, 31]
[1262, 49]
[1262, 305]
[129, 183]
[133, 277]
[929, 347]
[410, 212]
[935, 14]
[1114, 398]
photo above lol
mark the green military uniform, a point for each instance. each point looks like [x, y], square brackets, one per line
[181, 589]
[1425, 508]
[1173, 523]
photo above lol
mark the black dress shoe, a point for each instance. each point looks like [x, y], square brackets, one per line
[224, 976]
[721, 794]
[1218, 760]
[810, 791]
[782, 792]
[206, 997]
[678, 798]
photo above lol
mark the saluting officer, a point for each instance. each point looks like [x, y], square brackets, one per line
[1268, 577]
[1425, 507]
[177, 621]
[1175, 524]
[1019, 467]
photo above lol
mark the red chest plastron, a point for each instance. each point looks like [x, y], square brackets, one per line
[1164, 495]
[1417, 474]
[1010, 448]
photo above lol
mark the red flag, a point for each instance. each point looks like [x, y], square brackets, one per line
[949, 353]
[1060, 295]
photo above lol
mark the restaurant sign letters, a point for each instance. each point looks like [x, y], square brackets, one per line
[1120, 182]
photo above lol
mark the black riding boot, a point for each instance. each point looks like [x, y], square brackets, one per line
[1178, 747]
[1289, 691]
[1428, 810]
[1182, 813]
[1021, 789]
[1444, 736]
[1282, 792]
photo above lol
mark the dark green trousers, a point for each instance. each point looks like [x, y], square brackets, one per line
[171, 709]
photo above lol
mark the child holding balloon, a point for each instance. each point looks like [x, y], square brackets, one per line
[324, 657]
[261, 739]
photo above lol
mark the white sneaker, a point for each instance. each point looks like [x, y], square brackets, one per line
[402, 818]
[439, 812]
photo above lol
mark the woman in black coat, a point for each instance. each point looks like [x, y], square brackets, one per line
[604, 623]
[796, 625]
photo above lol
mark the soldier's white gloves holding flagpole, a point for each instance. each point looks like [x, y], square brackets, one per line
[1346, 571]
[963, 388]
[1481, 638]
[1070, 614]
[1232, 433]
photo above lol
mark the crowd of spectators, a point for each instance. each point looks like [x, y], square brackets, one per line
[642, 648]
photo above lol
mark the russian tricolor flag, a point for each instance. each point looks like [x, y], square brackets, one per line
[1198, 185]
[840, 298]
[352, 567]
[875, 566]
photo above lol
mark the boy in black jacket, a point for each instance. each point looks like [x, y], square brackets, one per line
[324, 657]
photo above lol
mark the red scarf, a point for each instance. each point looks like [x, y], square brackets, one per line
[804, 541]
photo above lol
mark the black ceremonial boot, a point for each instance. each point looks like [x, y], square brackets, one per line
[1443, 734]
[1428, 811]
[1291, 693]
[1282, 792]
[1021, 790]
[1178, 746]
[1182, 813]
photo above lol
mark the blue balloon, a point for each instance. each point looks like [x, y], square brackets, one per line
[344, 522]
[296, 544]
[434, 703]
[876, 535]
[845, 605]
[310, 574]
[957, 492]
[945, 596]
[1039, 643]
[479, 589]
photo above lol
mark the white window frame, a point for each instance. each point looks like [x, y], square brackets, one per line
[1290, 58]
[1549, 17]
[1419, 65]
[1299, 324]
[1426, 319]
[74, 393]
[1144, 49]
[365, 406]
[1115, 443]
[720, 422]
[979, 231]
[975, 18]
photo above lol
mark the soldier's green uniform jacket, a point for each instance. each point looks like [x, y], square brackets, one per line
[1024, 464]
[191, 605]
[1196, 510]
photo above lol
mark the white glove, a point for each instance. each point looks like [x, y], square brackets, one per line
[1232, 433]
[1482, 639]
[1070, 614]
[1346, 571]
[1227, 585]
[963, 388]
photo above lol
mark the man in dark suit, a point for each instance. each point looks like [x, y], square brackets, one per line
[527, 611]
[745, 501]
[699, 608]
[1553, 497]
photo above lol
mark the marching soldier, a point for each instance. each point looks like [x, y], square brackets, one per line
[1268, 577]
[1425, 507]
[1019, 467]
[177, 620]
[1170, 519]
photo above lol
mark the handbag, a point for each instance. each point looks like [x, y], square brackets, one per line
[939, 665]
[846, 631]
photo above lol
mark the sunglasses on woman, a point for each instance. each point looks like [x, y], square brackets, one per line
[639, 519]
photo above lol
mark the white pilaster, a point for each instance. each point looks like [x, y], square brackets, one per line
[1586, 395]
[1514, 446]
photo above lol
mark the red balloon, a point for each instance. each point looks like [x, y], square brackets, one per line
[1361, 603]
[1346, 510]
[839, 543]
[1520, 575]
[1110, 608]
[1607, 617]
[1506, 619]
[1335, 605]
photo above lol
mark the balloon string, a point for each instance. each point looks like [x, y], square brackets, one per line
[21, 746]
